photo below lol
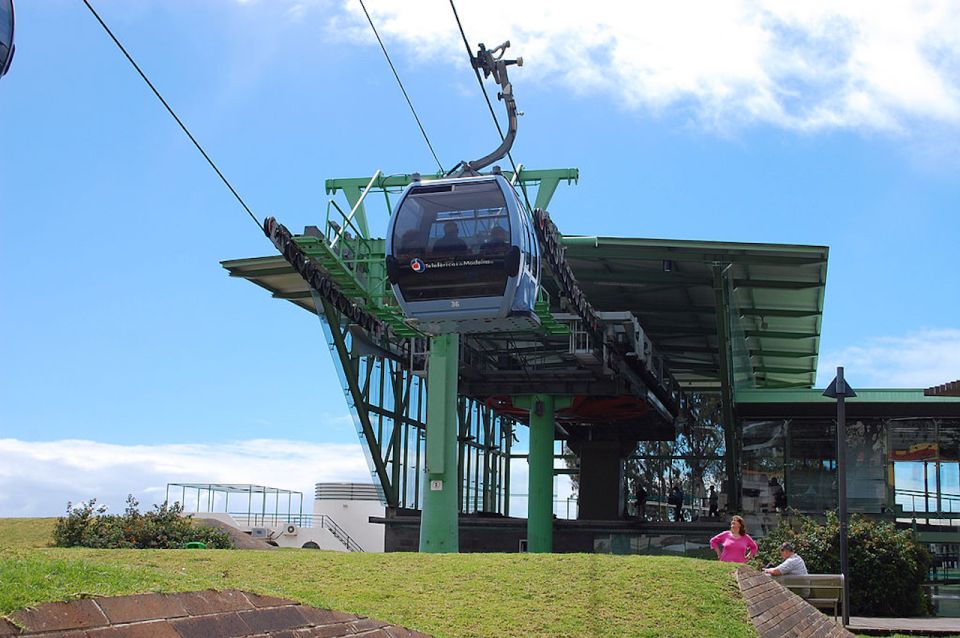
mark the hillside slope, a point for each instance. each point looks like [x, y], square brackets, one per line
[491, 595]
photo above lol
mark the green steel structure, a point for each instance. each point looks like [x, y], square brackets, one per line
[384, 381]
[717, 316]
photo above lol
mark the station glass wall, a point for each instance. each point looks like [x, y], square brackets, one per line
[901, 465]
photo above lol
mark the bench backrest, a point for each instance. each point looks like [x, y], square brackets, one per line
[818, 585]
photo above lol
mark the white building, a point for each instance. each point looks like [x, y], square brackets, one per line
[349, 506]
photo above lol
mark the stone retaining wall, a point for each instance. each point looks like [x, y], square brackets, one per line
[776, 611]
[204, 614]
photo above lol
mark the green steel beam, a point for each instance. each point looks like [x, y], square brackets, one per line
[784, 385]
[589, 273]
[265, 272]
[439, 531]
[746, 312]
[773, 284]
[540, 482]
[352, 187]
[775, 334]
[290, 296]
[702, 367]
[784, 354]
[779, 312]
[783, 370]
[807, 395]
[687, 248]
[349, 373]
[529, 177]
[726, 384]
[631, 250]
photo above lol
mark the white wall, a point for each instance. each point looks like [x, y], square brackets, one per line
[353, 516]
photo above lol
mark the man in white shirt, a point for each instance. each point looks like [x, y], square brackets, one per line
[792, 564]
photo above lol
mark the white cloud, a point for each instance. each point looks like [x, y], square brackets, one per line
[799, 65]
[38, 478]
[917, 360]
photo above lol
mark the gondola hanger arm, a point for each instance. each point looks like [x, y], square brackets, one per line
[492, 62]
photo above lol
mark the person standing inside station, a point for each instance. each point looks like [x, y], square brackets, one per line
[734, 545]
[714, 500]
[641, 501]
[676, 499]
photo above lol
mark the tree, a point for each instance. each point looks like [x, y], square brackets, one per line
[692, 459]
[887, 565]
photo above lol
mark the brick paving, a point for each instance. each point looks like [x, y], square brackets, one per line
[920, 626]
[204, 614]
[775, 611]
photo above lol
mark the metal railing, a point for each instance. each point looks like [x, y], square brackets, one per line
[300, 520]
[926, 499]
[340, 533]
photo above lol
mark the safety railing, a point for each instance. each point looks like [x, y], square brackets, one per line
[348, 243]
[253, 519]
[925, 502]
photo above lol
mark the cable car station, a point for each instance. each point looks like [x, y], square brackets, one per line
[475, 320]
[742, 320]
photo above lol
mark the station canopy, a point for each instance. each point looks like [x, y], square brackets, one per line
[765, 299]
[763, 302]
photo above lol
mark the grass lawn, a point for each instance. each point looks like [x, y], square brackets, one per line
[445, 595]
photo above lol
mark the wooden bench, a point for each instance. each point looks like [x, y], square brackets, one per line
[823, 591]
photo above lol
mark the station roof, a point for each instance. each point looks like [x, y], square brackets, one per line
[772, 307]
[883, 403]
[869, 395]
[771, 303]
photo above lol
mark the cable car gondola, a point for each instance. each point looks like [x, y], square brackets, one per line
[463, 257]
[7, 24]
[462, 254]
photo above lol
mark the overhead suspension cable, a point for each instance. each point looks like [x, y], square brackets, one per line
[402, 89]
[172, 113]
[493, 114]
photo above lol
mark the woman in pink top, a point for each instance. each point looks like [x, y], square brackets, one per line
[736, 544]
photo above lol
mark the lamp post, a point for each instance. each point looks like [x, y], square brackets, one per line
[839, 390]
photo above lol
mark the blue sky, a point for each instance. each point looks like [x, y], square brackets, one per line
[125, 339]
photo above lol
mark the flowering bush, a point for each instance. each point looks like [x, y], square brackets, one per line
[88, 525]
[887, 566]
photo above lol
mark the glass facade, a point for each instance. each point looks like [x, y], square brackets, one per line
[907, 466]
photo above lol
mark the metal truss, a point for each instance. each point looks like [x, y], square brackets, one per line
[388, 399]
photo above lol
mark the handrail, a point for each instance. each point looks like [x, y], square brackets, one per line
[924, 509]
[340, 533]
[255, 519]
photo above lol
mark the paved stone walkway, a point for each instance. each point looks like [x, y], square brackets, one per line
[776, 611]
[921, 626]
[206, 614]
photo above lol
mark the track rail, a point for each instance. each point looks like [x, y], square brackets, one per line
[665, 388]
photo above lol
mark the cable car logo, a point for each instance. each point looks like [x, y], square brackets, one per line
[417, 265]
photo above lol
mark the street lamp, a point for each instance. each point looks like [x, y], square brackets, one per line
[839, 390]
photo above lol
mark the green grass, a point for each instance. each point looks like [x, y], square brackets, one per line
[26, 532]
[445, 595]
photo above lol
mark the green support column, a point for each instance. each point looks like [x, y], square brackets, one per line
[439, 532]
[540, 482]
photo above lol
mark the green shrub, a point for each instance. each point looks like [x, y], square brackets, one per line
[87, 525]
[887, 566]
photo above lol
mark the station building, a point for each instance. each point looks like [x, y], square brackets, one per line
[737, 321]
